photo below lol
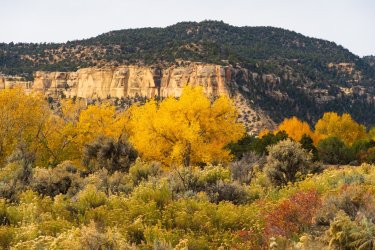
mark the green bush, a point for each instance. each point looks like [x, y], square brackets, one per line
[287, 162]
[106, 153]
[261, 145]
[89, 198]
[344, 233]
[232, 192]
[334, 151]
[308, 144]
[62, 179]
[142, 171]
[7, 235]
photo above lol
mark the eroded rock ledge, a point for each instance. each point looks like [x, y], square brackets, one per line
[134, 80]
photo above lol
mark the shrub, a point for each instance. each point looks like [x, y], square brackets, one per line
[369, 156]
[58, 180]
[104, 152]
[243, 146]
[307, 143]
[360, 149]
[352, 200]
[333, 150]
[344, 233]
[119, 182]
[287, 162]
[4, 220]
[135, 232]
[110, 183]
[211, 175]
[17, 173]
[89, 198]
[243, 170]
[7, 235]
[294, 215]
[141, 171]
[261, 145]
[159, 193]
[196, 179]
[232, 192]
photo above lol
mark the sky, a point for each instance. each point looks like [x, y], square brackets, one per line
[350, 23]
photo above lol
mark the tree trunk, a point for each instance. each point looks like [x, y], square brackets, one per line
[186, 160]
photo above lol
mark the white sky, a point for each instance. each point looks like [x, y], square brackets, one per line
[350, 23]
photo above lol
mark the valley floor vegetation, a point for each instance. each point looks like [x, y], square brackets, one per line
[179, 174]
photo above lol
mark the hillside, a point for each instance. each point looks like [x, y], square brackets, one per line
[280, 72]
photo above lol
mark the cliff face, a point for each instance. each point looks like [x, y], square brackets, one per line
[133, 80]
[10, 81]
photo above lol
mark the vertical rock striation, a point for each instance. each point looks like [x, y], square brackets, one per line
[133, 80]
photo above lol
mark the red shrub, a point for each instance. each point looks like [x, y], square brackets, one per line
[292, 215]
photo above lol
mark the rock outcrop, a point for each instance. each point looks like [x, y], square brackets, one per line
[129, 81]
[7, 82]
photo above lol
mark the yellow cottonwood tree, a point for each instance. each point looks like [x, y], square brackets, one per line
[57, 139]
[71, 109]
[296, 128]
[56, 142]
[185, 131]
[98, 120]
[22, 117]
[64, 135]
[343, 127]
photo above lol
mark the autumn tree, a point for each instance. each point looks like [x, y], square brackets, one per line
[58, 140]
[187, 130]
[22, 117]
[342, 127]
[71, 109]
[295, 128]
[98, 120]
[65, 134]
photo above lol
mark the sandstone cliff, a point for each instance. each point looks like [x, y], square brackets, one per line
[10, 81]
[130, 81]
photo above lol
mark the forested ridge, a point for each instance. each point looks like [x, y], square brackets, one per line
[207, 41]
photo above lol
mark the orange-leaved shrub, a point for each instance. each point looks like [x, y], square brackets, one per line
[293, 215]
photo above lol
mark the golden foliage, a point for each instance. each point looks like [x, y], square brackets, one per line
[22, 117]
[58, 138]
[98, 120]
[342, 127]
[79, 126]
[71, 109]
[263, 133]
[187, 130]
[296, 129]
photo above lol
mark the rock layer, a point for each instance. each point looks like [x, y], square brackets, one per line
[7, 82]
[130, 81]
